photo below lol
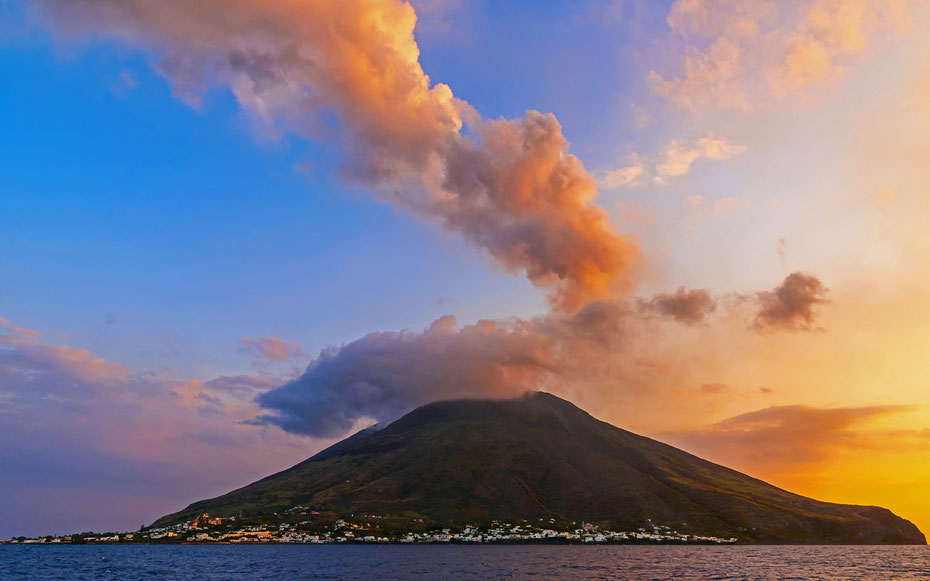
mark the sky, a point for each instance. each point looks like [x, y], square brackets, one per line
[235, 232]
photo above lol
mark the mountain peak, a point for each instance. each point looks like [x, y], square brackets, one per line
[539, 456]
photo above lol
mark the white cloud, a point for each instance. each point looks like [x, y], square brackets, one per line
[624, 176]
[678, 156]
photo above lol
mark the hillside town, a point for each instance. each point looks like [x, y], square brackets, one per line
[371, 529]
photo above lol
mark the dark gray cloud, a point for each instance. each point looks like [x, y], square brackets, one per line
[792, 306]
[210, 399]
[383, 375]
[688, 306]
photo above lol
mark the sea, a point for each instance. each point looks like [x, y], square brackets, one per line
[206, 562]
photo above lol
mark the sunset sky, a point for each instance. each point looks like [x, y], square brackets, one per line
[235, 231]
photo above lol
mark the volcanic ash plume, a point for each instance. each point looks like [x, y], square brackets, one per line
[507, 186]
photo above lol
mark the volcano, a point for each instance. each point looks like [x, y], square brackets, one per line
[539, 456]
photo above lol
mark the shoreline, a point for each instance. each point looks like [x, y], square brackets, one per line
[398, 543]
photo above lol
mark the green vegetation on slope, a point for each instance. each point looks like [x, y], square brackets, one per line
[474, 461]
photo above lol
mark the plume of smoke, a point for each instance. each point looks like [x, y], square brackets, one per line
[508, 187]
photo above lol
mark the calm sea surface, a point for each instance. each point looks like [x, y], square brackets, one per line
[461, 562]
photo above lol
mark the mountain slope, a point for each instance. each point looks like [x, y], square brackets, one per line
[539, 456]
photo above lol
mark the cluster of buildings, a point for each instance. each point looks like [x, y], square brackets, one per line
[72, 539]
[526, 533]
[208, 529]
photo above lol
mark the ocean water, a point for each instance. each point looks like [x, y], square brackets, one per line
[462, 562]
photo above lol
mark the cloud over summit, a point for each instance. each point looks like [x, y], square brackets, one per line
[606, 346]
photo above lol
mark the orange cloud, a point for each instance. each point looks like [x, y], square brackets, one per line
[675, 159]
[741, 55]
[12, 332]
[509, 187]
[710, 77]
[25, 350]
[781, 438]
[270, 348]
[677, 156]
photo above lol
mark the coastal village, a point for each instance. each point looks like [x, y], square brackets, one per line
[320, 528]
